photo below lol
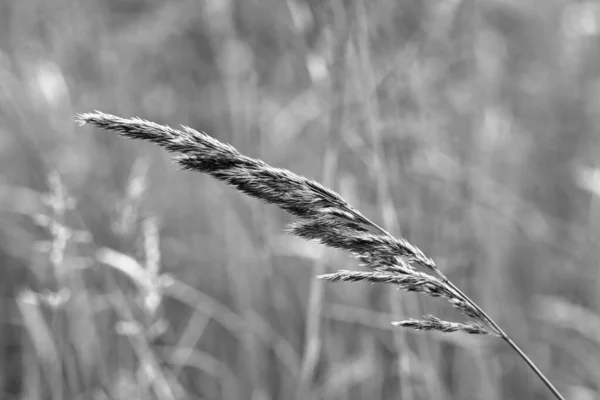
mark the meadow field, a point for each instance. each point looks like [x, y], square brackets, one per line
[467, 127]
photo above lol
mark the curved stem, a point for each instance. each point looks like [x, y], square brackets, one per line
[505, 337]
[532, 366]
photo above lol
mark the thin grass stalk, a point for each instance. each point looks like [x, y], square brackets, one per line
[507, 339]
[305, 199]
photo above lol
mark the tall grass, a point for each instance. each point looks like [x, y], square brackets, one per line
[465, 127]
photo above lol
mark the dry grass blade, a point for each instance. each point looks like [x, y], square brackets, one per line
[325, 217]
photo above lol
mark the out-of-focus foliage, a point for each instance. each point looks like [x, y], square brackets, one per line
[468, 127]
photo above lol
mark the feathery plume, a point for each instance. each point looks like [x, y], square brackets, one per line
[325, 217]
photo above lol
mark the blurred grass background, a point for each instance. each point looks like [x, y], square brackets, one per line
[467, 127]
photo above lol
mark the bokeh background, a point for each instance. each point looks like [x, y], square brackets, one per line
[467, 127]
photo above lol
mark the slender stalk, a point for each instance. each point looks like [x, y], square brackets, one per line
[505, 337]
[531, 365]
